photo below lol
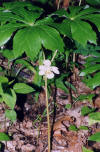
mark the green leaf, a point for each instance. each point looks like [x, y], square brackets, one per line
[31, 39]
[73, 128]
[90, 70]
[68, 106]
[9, 97]
[25, 15]
[95, 116]
[82, 32]
[93, 82]
[1, 100]
[4, 137]
[83, 128]
[92, 121]
[70, 86]
[25, 64]
[94, 18]
[3, 79]
[93, 2]
[9, 54]
[86, 110]
[76, 20]
[50, 38]
[83, 97]
[12, 5]
[63, 27]
[95, 137]
[22, 88]
[37, 79]
[61, 12]
[88, 50]
[20, 11]
[60, 84]
[6, 32]
[11, 115]
[86, 150]
[9, 17]
[27, 40]
[3, 84]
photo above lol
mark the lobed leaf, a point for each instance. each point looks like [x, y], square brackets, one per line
[7, 30]
[82, 32]
[31, 39]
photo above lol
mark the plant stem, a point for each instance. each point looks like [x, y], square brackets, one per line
[74, 74]
[54, 56]
[80, 2]
[58, 6]
[48, 119]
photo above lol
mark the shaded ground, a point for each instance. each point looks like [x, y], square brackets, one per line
[29, 132]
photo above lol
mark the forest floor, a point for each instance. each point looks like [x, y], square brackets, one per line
[29, 132]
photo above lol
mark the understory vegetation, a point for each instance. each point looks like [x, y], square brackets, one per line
[50, 75]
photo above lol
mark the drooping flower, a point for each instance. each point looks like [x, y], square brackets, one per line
[47, 70]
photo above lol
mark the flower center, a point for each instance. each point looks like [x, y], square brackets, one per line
[48, 72]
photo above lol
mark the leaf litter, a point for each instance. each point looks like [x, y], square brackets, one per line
[30, 133]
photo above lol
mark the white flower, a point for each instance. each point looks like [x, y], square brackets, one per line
[48, 70]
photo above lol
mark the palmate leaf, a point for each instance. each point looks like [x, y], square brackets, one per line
[90, 70]
[93, 2]
[29, 35]
[31, 39]
[27, 40]
[27, 16]
[7, 30]
[13, 5]
[77, 29]
[94, 18]
[21, 14]
[77, 18]
[90, 49]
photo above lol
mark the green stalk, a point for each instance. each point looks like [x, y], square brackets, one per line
[48, 119]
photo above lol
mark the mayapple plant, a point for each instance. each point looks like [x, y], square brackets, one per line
[29, 31]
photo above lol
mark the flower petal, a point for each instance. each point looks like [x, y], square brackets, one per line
[41, 67]
[50, 75]
[47, 62]
[55, 69]
[41, 72]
